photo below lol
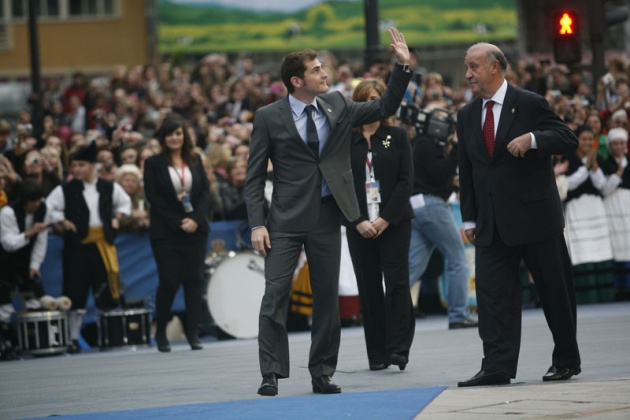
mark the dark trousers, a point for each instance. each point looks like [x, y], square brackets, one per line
[180, 261]
[499, 300]
[323, 249]
[83, 268]
[388, 319]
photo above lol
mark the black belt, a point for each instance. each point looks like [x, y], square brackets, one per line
[328, 198]
[430, 195]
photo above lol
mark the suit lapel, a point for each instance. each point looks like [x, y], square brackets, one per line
[508, 112]
[331, 116]
[326, 108]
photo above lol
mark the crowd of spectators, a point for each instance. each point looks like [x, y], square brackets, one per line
[218, 96]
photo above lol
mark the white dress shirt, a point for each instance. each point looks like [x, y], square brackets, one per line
[13, 240]
[56, 202]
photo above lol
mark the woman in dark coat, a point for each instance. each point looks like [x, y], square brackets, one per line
[177, 189]
[379, 242]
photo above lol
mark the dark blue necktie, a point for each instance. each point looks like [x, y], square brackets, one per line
[312, 140]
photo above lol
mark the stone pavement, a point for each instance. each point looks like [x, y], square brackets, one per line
[604, 399]
[126, 378]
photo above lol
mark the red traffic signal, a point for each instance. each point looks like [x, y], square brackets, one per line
[566, 24]
[567, 46]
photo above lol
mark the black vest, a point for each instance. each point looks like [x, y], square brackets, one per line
[587, 186]
[78, 213]
[18, 262]
[612, 167]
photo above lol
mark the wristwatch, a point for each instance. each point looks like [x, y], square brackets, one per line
[405, 67]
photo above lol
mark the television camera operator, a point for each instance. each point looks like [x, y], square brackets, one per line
[435, 167]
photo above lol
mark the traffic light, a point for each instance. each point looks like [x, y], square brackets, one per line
[567, 45]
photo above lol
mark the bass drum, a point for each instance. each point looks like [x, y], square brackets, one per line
[235, 292]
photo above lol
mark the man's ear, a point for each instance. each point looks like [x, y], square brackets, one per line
[296, 81]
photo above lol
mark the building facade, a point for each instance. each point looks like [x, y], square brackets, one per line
[91, 36]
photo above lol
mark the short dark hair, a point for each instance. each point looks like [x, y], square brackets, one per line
[29, 190]
[581, 129]
[293, 66]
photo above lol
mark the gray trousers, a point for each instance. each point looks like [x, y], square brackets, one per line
[323, 252]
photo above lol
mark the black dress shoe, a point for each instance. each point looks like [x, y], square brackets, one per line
[378, 366]
[399, 360]
[467, 323]
[324, 385]
[195, 345]
[487, 377]
[162, 343]
[561, 373]
[269, 385]
[74, 347]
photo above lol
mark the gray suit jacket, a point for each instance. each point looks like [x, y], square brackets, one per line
[296, 195]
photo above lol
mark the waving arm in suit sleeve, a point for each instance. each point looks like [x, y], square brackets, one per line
[160, 202]
[368, 112]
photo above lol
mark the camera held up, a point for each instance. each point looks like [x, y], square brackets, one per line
[438, 124]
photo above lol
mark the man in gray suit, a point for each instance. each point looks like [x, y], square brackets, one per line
[306, 136]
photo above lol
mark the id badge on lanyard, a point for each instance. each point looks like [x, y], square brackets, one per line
[188, 207]
[372, 187]
[372, 191]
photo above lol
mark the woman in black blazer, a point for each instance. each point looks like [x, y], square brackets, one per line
[177, 189]
[379, 241]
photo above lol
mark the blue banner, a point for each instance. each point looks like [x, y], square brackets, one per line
[137, 265]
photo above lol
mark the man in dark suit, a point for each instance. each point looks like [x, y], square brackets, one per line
[512, 212]
[307, 138]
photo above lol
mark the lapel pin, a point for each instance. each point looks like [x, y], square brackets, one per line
[386, 142]
[329, 110]
[513, 110]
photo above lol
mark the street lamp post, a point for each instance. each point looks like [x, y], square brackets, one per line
[372, 43]
[36, 97]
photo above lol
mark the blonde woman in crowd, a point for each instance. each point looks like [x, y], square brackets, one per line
[218, 156]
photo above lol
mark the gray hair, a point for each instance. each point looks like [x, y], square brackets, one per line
[492, 53]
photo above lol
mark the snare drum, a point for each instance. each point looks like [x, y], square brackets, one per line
[235, 292]
[43, 333]
[129, 327]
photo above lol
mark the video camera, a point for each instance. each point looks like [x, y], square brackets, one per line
[438, 124]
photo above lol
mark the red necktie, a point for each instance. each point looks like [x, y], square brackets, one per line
[488, 129]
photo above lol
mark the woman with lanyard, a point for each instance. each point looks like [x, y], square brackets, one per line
[379, 241]
[177, 189]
